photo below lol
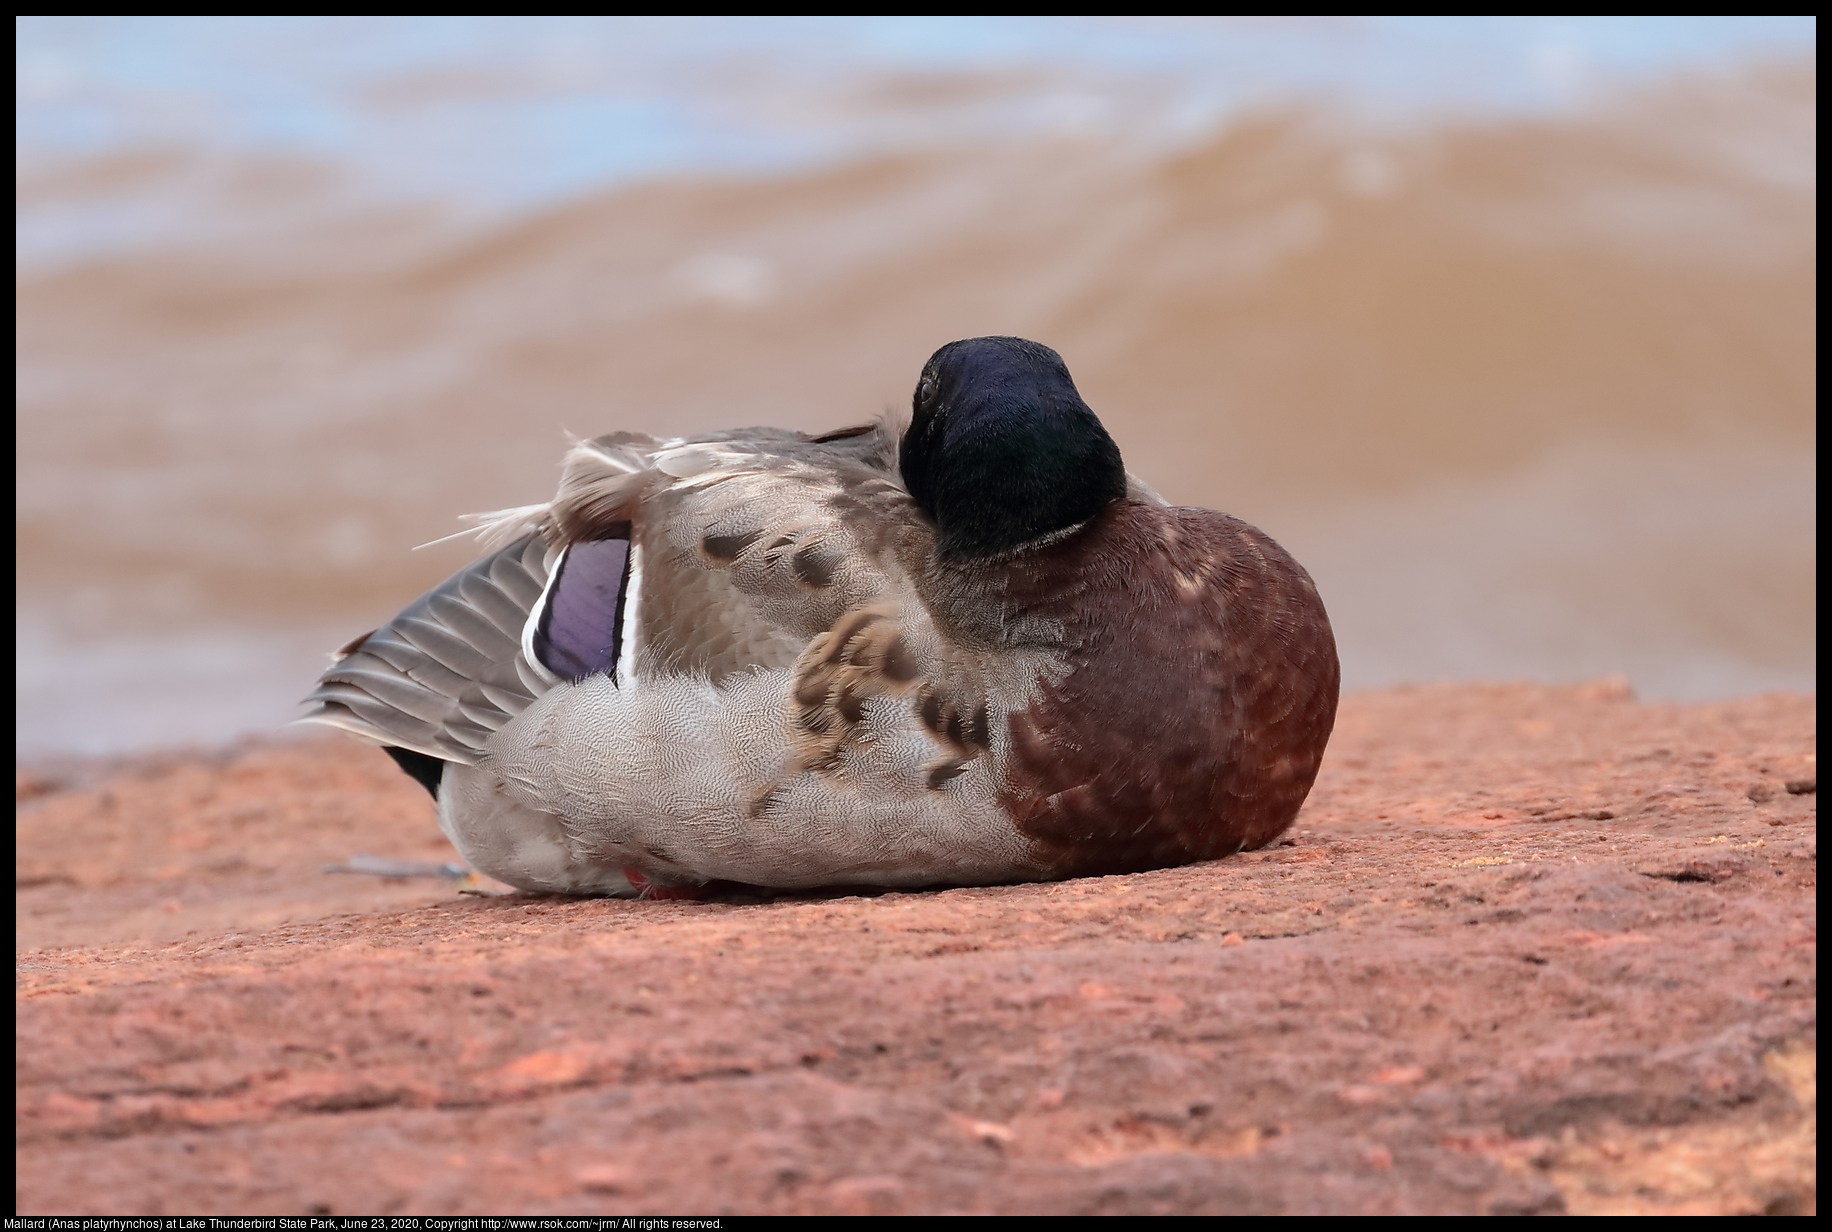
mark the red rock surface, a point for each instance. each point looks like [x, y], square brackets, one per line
[1528, 950]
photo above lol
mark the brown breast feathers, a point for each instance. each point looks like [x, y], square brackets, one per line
[1201, 691]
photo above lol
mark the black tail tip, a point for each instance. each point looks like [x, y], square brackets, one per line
[424, 770]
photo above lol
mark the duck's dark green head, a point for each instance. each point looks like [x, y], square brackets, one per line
[1002, 450]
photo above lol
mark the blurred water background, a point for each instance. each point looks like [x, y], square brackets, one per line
[1504, 326]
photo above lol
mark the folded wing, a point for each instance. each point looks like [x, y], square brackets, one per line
[450, 670]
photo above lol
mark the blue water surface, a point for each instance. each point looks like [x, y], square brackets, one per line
[507, 112]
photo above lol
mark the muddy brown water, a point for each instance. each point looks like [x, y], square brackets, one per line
[1531, 398]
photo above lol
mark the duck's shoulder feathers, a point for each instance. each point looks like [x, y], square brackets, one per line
[702, 557]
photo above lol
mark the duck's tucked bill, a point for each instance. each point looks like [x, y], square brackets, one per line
[976, 651]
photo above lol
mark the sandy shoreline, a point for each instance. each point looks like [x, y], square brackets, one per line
[1528, 950]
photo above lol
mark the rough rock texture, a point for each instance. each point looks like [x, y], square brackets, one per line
[1528, 950]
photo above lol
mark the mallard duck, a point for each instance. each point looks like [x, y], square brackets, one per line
[970, 652]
